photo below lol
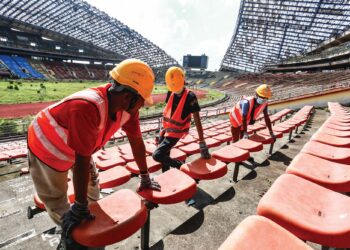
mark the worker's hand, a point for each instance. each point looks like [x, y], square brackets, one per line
[245, 135]
[147, 182]
[273, 136]
[204, 150]
[76, 214]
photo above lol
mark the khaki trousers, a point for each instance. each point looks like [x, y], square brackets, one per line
[51, 187]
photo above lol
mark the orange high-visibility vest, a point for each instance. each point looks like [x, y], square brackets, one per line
[175, 126]
[236, 112]
[47, 140]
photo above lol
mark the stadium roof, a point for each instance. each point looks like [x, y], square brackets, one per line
[79, 20]
[271, 30]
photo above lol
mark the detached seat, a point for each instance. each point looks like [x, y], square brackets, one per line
[309, 211]
[205, 169]
[259, 233]
[118, 216]
[331, 175]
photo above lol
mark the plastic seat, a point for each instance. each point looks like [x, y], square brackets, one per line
[331, 140]
[211, 142]
[266, 132]
[125, 148]
[152, 166]
[205, 169]
[332, 175]
[282, 129]
[178, 154]
[337, 127]
[264, 139]
[334, 132]
[114, 177]
[328, 152]
[259, 233]
[251, 146]
[128, 157]
[118, 216]
[210, 133]
[223, 138]
[150, 148]
[107, 164]
[190, 149]
[187, 139]
[231, 153]
[176, 187]
[309, 211]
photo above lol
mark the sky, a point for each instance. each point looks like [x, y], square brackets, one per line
[179, 27]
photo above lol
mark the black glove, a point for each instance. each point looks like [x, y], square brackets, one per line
[76, 214]
[245, 135]
[204, 150]
[147, 182]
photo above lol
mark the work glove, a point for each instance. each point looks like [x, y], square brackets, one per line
[245, 135]
[273, 136]
[204, 150]
[147, 182]
[76, 214]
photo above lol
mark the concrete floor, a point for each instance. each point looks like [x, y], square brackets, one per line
[220, 204]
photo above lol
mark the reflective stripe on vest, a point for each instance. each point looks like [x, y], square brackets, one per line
[175, 126]
[48, 140]
[236, 112]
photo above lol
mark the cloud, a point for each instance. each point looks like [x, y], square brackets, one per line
[179, 27]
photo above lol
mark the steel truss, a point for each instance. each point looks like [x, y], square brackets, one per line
[268, 31]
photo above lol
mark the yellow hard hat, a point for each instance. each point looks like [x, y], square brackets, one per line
[264, 91]
[137, 75]
[175, 79]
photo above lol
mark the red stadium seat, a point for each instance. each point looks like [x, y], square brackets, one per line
[251, 146]
[264, 139]
[205, 169]
[309, 211]
[332, 175]
[328, 152]
[331, 140]
[223, 138]
[118, 216]
[231, 153]
[337, 127]
[107, 164]
[114, 177]
[176, 187]
[259, 233]
[152, 166]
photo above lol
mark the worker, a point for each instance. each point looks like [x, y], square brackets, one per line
[64, 136]
[181, 103]
[247, 110]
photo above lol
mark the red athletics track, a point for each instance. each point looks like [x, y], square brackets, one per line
[24, 109]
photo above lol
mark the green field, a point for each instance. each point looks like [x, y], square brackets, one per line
[28, 92]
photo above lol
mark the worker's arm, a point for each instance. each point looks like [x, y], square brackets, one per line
[81, 175]
[202, 145]
[79, 210]
[268, 124]
[198, 123]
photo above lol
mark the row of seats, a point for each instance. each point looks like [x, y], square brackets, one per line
[176, 185]
[305, 201]
[20, 67]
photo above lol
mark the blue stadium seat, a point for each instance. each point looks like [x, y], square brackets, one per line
[23, 63]
[13, 67]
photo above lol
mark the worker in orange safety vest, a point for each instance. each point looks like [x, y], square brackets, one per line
[64, 136]
[181, 103]
[246, 111]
